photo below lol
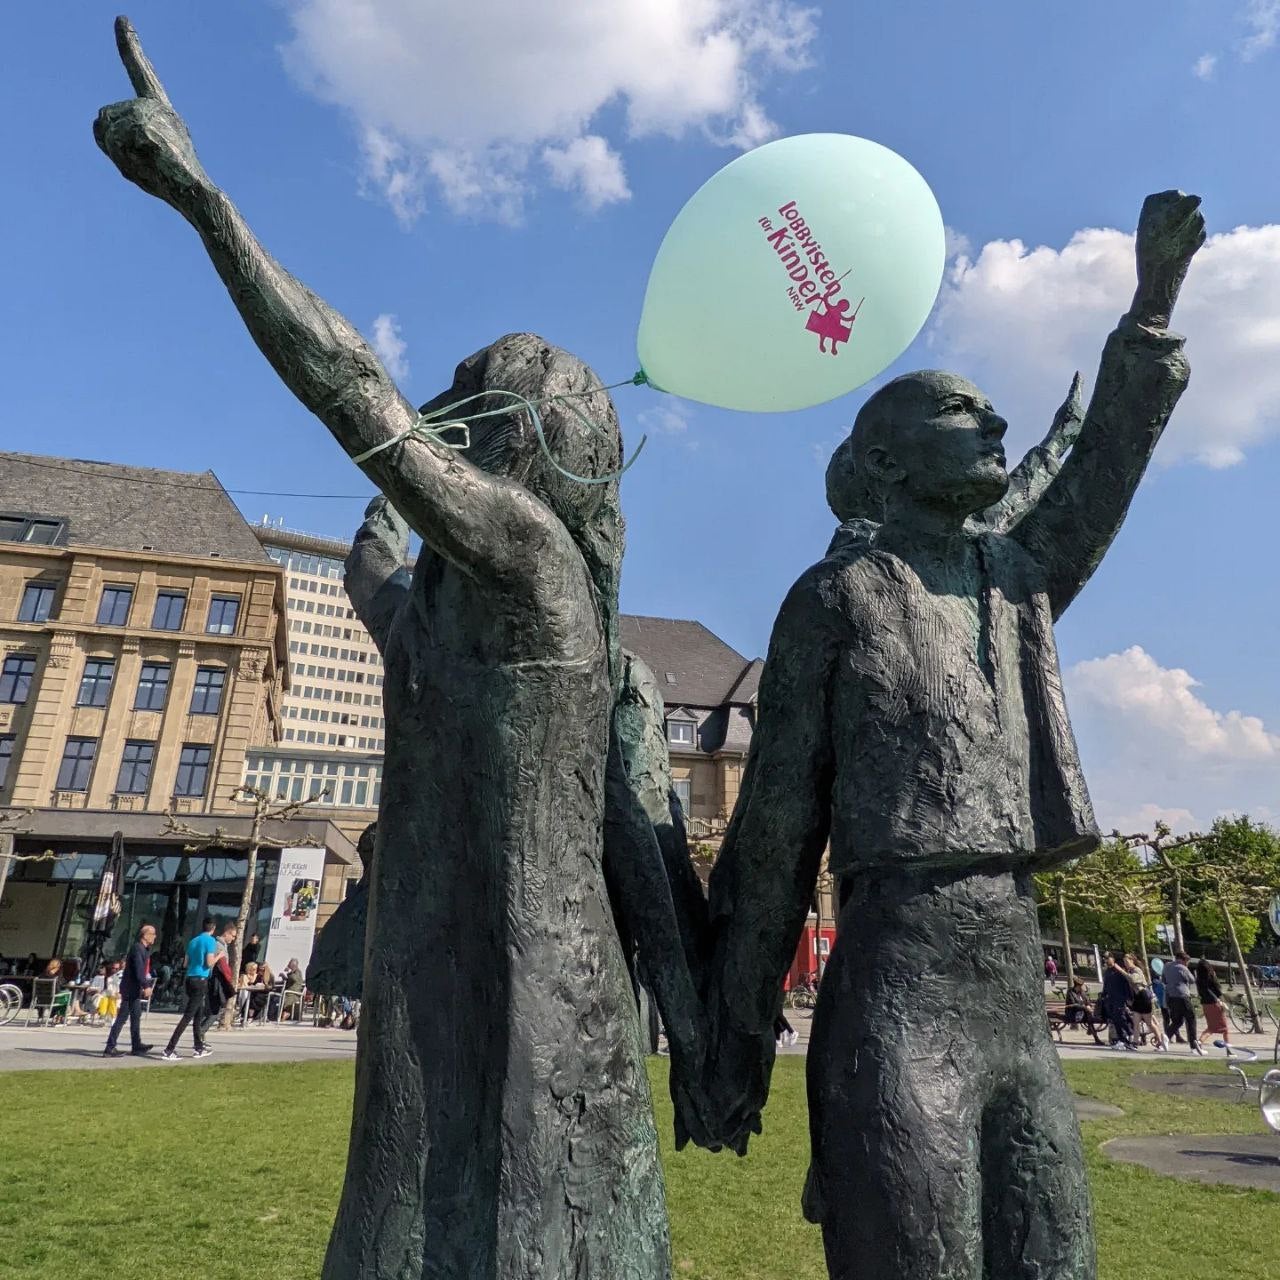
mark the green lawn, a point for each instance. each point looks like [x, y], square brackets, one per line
[233, 1171]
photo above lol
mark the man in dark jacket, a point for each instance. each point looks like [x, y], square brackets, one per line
[135, 987]
[1117, 993]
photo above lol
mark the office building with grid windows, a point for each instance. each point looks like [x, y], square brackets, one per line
[332, 726]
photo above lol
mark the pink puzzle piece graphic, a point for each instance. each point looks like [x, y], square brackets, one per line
[831, 326]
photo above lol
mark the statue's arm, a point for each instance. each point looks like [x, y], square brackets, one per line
[1141, 376]
[377, 579]
[633, 865]
[484, 524]
[763, 882]
[1039, 465]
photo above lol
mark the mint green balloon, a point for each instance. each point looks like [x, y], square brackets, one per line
[797, 273]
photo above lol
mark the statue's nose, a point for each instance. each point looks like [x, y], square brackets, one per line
[993, 425]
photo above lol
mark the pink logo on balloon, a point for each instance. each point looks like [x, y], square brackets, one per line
[815, 287]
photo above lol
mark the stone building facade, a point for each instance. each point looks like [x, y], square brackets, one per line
[143, 656]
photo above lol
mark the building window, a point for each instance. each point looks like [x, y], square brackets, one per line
[95, 685]
[15, 677]
[681, 787]
[170, 606]
[153, 687]
[135, 768]
[193, 771]
[37, 602]
[30, 529]
[6, 755]
[206, 697]
[77, 764]
[223, 612]
[113, 611]
[680, 733]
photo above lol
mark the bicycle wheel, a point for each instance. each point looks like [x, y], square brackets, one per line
[10, 1003]
[1241, 1018]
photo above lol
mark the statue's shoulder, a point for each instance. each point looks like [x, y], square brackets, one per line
[839, 585]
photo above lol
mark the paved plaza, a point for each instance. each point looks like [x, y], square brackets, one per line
[61, 1048]
[67, 1048]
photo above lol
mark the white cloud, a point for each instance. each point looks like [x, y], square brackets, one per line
[1144, 819]
[956, 243]
[1153, 747]
[1204, 66]
[1261, 22]
[390, 346]
[592, 166]
[1020, 321]
[467, 94]
[1262, 17]
[666, 419]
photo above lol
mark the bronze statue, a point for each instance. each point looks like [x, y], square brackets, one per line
[911, 713]
[503, 1126]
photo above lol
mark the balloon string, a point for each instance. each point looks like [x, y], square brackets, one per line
[427, 426]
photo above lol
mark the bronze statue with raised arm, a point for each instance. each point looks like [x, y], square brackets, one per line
[911, 713]
[503, 1126]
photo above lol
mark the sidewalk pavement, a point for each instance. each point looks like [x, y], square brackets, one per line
[62, 1048]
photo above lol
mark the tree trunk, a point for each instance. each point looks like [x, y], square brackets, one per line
[1244, 972]
[1068, 967]
[1178, 944]
[246, 901]
[6, 849]
[1142, 943]
[817, 942]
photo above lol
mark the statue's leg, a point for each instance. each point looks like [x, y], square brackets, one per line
[893, 1118]
[1036, 1212]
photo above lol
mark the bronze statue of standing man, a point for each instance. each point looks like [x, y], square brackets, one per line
[911, 713]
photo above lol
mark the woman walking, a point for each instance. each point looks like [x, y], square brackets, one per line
[1210, 993]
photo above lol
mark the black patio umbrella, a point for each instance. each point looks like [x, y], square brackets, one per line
[106, 907]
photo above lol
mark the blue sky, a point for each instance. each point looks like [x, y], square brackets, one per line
[1031, 123]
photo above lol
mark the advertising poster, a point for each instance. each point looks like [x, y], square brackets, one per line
[293, 913]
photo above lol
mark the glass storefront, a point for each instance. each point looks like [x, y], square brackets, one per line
[174, 892]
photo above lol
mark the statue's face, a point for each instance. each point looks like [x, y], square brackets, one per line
[946, 441]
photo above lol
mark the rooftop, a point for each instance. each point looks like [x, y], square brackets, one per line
[122, 508]
[692, 665]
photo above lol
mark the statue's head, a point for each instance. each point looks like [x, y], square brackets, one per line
[927, 439]
[582, 434]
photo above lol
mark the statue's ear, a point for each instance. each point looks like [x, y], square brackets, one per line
[884, 466]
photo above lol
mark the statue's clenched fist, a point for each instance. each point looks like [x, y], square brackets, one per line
[1170, 231]
[145, 137]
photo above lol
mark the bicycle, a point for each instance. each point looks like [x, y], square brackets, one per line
[10, 1002]
[1242, 1019]
[804, 995]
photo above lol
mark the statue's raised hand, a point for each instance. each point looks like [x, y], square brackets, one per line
[145, 137]
[1170, 230]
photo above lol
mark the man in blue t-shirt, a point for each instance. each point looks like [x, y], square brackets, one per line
[202, 954]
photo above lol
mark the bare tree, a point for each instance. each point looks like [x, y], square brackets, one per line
[9, 827]
[1160, 847]
[265, 810]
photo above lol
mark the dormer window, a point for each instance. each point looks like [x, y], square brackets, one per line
[42, 529]
[680, 733]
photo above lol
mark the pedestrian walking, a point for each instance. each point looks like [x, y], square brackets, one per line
[1117, 995]
[1179, 987]
[202, 952]
[1143, 1005]
[135, 987]
[1050, 968]
[1210, 993]
[783, 1031]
